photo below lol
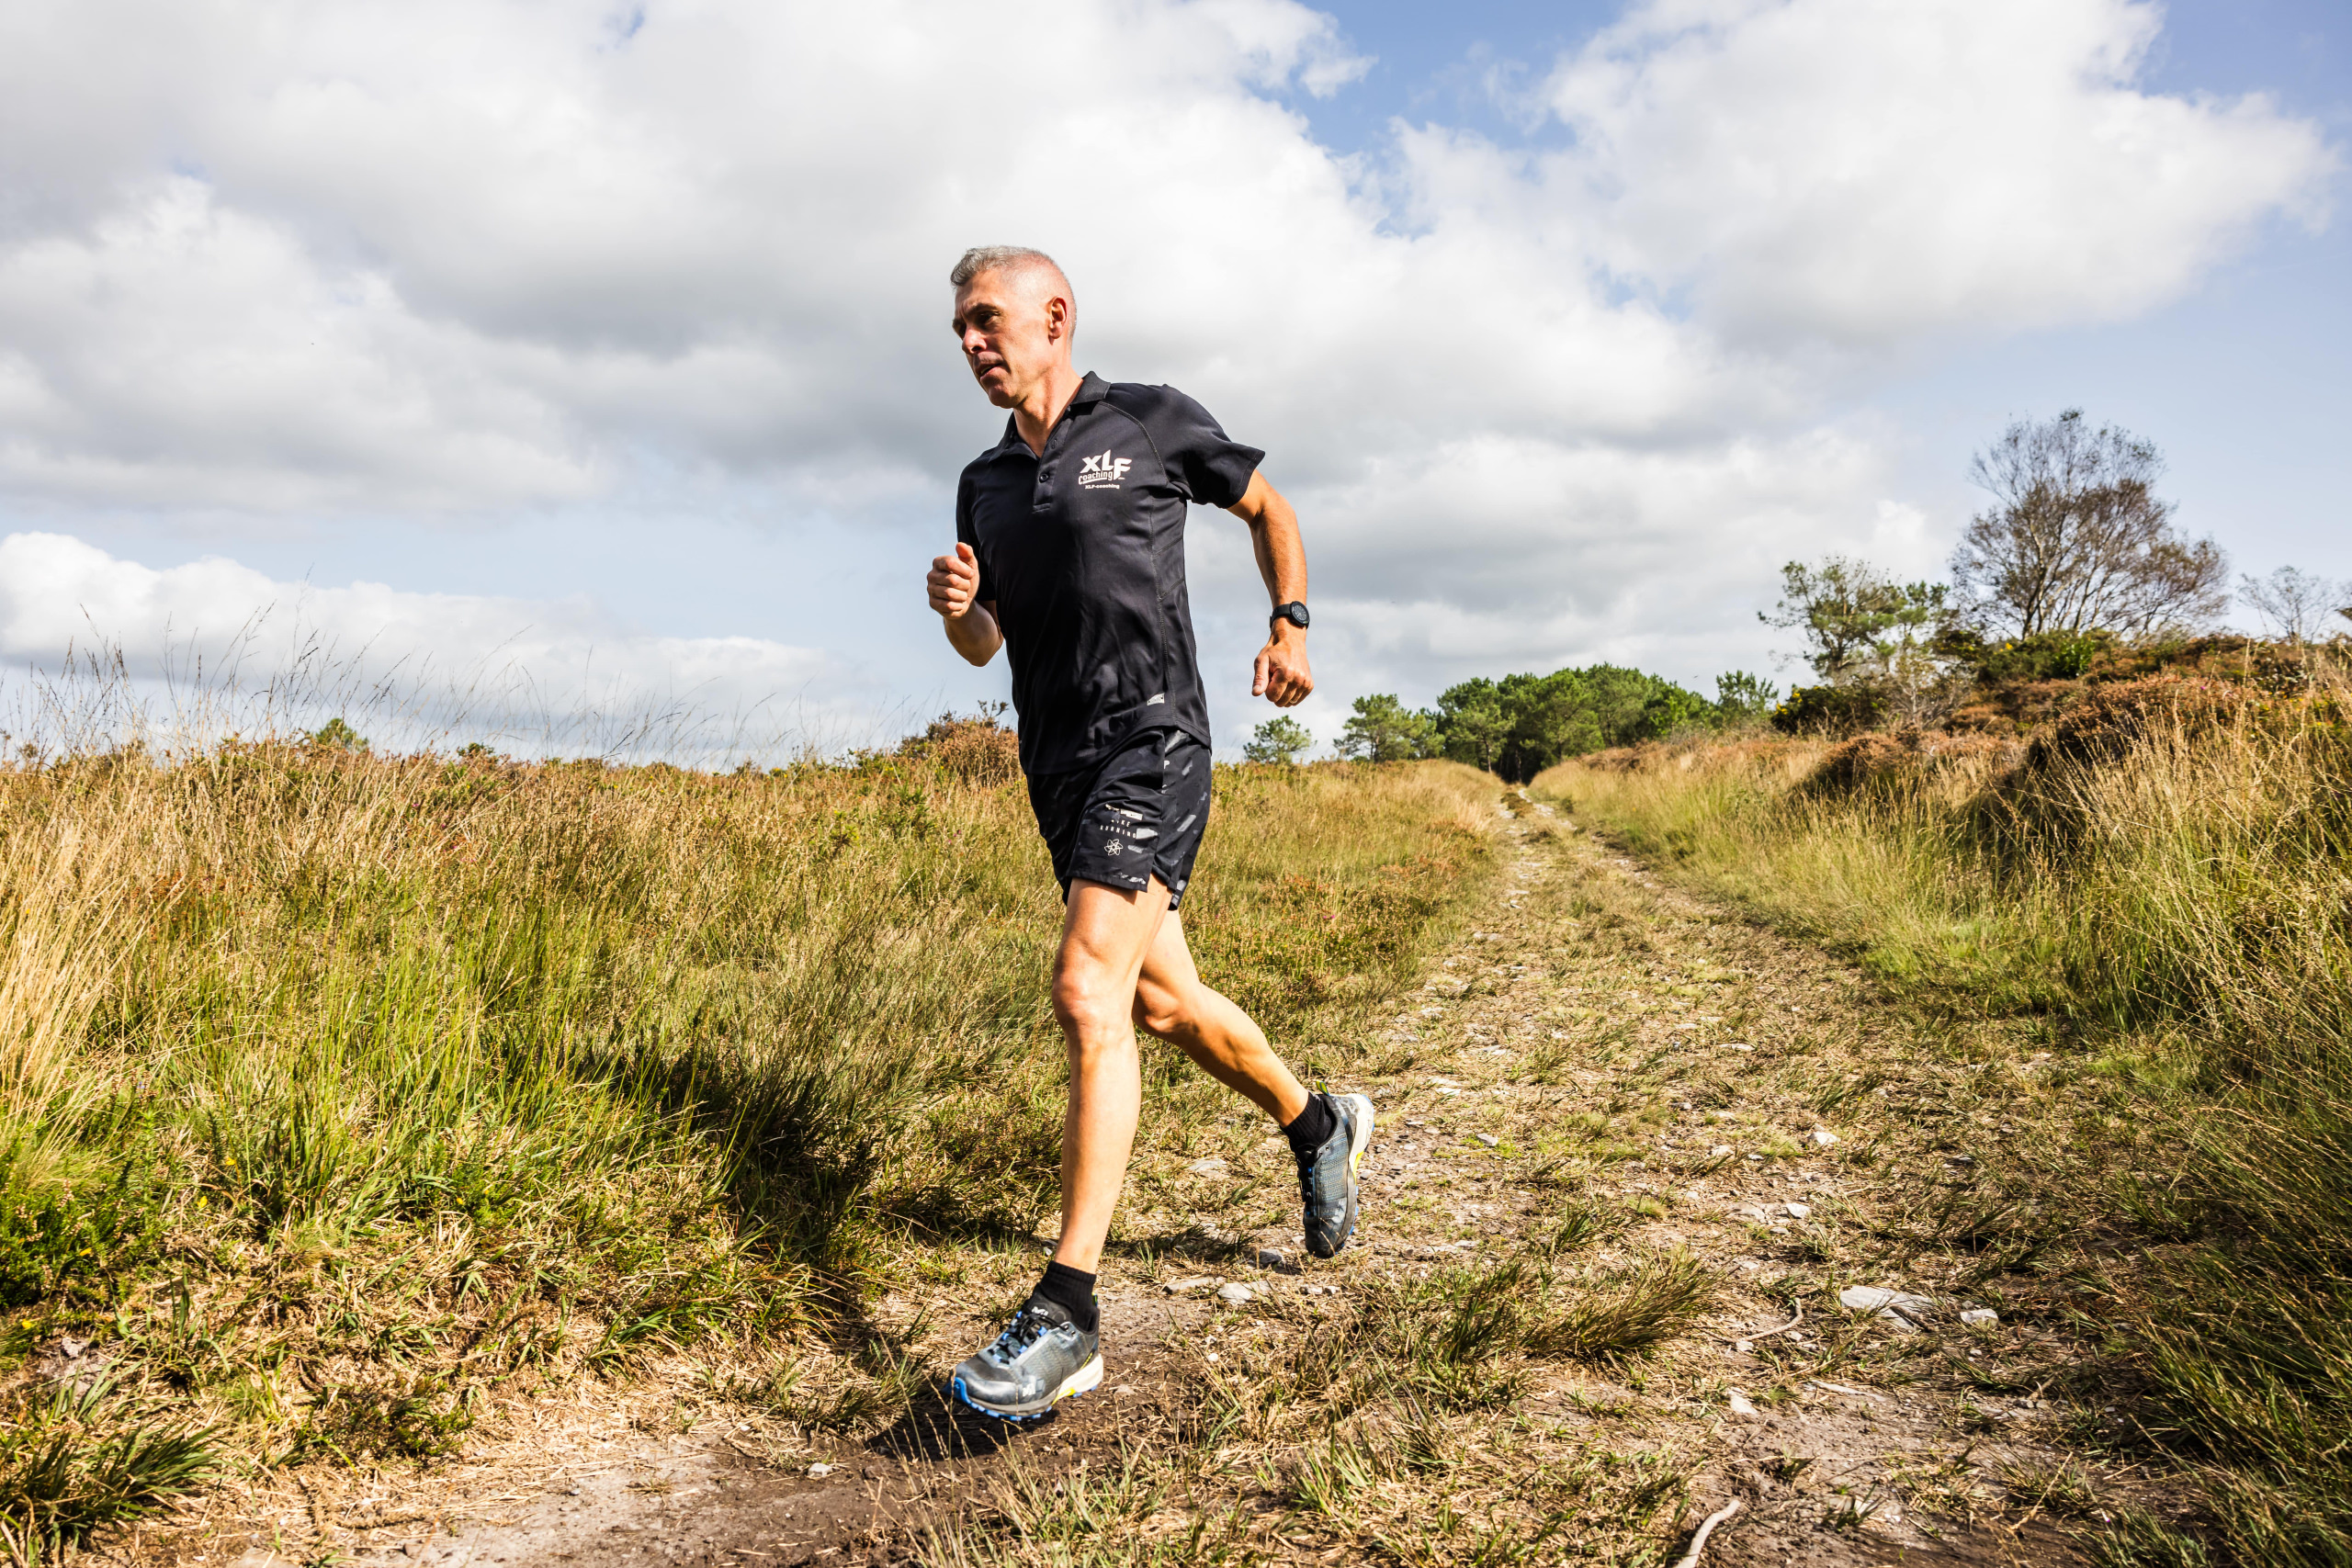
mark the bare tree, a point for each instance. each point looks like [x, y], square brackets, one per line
[2296, 602]
[2080, 539]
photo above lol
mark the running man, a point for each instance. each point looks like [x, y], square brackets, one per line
[1069, 553]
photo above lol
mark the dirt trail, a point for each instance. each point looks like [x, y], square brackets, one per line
[1722, 1090]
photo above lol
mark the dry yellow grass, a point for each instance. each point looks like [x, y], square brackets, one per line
[340, 1095]
[2167, 880]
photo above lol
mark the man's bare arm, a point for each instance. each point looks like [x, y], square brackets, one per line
[1281, 674]
[971, 624]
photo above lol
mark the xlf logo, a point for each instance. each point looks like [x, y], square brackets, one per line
[1096, 473]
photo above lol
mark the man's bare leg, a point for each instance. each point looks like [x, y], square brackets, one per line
[1172, 1002]
[1106, 933]
[1123, 962]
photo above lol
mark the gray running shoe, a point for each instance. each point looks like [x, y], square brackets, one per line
[1326, 1180]
[1040, 1357]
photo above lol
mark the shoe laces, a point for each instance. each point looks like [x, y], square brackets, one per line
[1026, 1327]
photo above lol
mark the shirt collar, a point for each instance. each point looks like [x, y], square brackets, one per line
[1092, 389]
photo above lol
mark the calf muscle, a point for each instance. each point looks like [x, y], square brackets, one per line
[1172, 1003]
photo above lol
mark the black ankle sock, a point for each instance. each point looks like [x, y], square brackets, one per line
[1071, 1290]
[1314, 1127]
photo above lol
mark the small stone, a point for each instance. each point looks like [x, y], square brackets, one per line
[1907, 1312]
[1721, 1150]
[1741, 1410]
[1751, 1212]
[1233, 1294]
[1448, 1091]
[821, 1470]
[1737, 1045]
[1743, 1346]
[1210, 1167]
[1273, 1257]
[1797, 1210]
[1185, 1287]
[1822, 1137]
[1490, 1139]
[1976, 1316]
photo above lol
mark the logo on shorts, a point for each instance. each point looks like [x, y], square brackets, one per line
[1103, 472]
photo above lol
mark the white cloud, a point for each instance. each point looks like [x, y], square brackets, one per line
[427, 664]
[1865, 172]
[443, 261]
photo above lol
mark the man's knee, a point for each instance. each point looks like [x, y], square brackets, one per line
[1087, 1002]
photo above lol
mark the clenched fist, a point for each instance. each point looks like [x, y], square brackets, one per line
[1280, 674]
[953, 581]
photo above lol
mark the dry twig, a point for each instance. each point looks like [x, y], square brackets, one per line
[1706, 1528]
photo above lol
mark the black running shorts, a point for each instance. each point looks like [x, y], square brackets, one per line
[1137, 814]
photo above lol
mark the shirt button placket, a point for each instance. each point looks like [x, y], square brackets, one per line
[1043, 497]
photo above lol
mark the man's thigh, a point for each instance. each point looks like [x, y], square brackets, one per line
[1107, 931]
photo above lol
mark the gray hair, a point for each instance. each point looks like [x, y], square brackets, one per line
[1001, 258]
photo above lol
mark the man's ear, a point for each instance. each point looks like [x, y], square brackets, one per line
[1056, 318]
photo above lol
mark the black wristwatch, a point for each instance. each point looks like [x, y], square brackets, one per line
[1293, 612]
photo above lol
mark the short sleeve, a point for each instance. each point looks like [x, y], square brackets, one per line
[1214, 469]
[967, 532]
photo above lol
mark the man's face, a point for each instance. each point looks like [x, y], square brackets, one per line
[1014, 328]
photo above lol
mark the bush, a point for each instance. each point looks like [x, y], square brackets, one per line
[2046, 655]
[976, 750]
[1833, 710]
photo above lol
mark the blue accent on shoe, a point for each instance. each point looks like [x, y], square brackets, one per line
[1041, 1359]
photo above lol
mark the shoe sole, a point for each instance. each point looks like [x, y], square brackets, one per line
[1358, 1140]
[1362, 1139]
[1086, 1380]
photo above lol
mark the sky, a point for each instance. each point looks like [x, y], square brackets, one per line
[592, 357]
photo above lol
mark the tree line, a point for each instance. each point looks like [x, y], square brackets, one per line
[2077, 552]
[1520, 725]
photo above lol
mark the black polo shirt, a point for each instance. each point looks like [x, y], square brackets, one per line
[1082, 552]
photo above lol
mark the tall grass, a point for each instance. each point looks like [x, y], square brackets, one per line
[2166, 875]
[339, 1093]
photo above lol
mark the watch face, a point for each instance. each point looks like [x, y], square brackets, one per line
[1296, 614]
